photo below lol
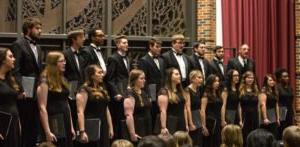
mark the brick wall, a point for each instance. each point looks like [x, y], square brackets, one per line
[297, 17]
[207, 27]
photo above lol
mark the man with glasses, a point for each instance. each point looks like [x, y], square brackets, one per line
[177, 59]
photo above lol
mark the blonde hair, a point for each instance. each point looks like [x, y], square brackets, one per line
[122, 143]
[291, 136]
[183, 138]
[243, 86]
[55, 79]
[232, 136]
[177, 37]
[194, 73]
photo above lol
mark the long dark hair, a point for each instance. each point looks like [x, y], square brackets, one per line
[209, 89]
[229, 78]
[266, 87]
[8, 77]
[98, 91]
[173, 98]
[243, 88]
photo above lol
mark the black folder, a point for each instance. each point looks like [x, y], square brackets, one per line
[211, 124]
[152, 91]
[271, 115]
[57, 125]
[172, 124]
[283, 113]
[196, 118]
[92, 128]
[5, 123]
[230, 116]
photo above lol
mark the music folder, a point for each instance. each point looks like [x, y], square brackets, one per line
[57, 125]
[230, 116]
[73, 88]
[283, 113]
[196, 118]
[152, 91]
[5, 123]
[28, 86]
[92, 128]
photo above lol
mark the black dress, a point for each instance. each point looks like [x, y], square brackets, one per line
[142, 113]
[8, 97]
[175, 113]
[271, 104]
[195, 100]
[286, 99]
[249, 104]
[213, 112]
[232, 104]
[57, 105]
[96, 108]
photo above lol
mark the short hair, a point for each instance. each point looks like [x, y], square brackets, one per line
[73, 34]
[232, 136]
[202, 41]
[151, 141]
[216, 48]
[183, 138]
[260, 138]
[291, 136]
[177, 37]
[122, 143]
[92, 33]
[154, 40]
[118, 38]
[29, 24]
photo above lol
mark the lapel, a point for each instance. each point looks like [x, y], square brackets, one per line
[173, 59]
[28, 48]
[186, 63]
[121, 61]
[196, 60]
[74, 64]
[238, 64]
[217, 67]
[152, 63]
[94, 55]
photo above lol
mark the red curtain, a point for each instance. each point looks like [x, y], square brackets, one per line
[268, 27]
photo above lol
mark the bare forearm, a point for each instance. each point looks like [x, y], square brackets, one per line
[130, 124]
[81, 121]
[163, 119]
[44, 120]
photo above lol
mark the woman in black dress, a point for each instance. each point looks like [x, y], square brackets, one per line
[249, 103]
[211, 104]
[286, 99]
[232, 113]
[53, 94]
[9, 90]
[195, 95]
[92, 103]
[268, 100]
[137, 107]
[172, 103]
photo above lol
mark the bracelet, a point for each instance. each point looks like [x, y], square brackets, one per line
[81, 131]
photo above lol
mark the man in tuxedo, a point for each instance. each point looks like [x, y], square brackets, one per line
[74, 57]
[242, 63]
[198, 60]
[177, 59]
[75, 64]
[217, 63]
[28, 64]
[153, 66]
[93, 53]
[118, 68]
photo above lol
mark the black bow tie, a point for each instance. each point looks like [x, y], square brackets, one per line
[178, 54]
[98, 50]
[124, 57]
[201, 57]
[76, 53]
[31, 41]
[155, 57]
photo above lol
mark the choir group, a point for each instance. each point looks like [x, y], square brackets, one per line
[81, 98]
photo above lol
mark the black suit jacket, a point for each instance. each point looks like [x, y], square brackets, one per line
[26, 64]
[234, 63]
[196, 65]
[215, 69]
[170, 61]
[152, 73]
[90, 55]
[72, 73]
[117, 75]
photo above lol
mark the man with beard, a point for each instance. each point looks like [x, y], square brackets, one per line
[217, 63]
[93, 52]
[28, 64]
